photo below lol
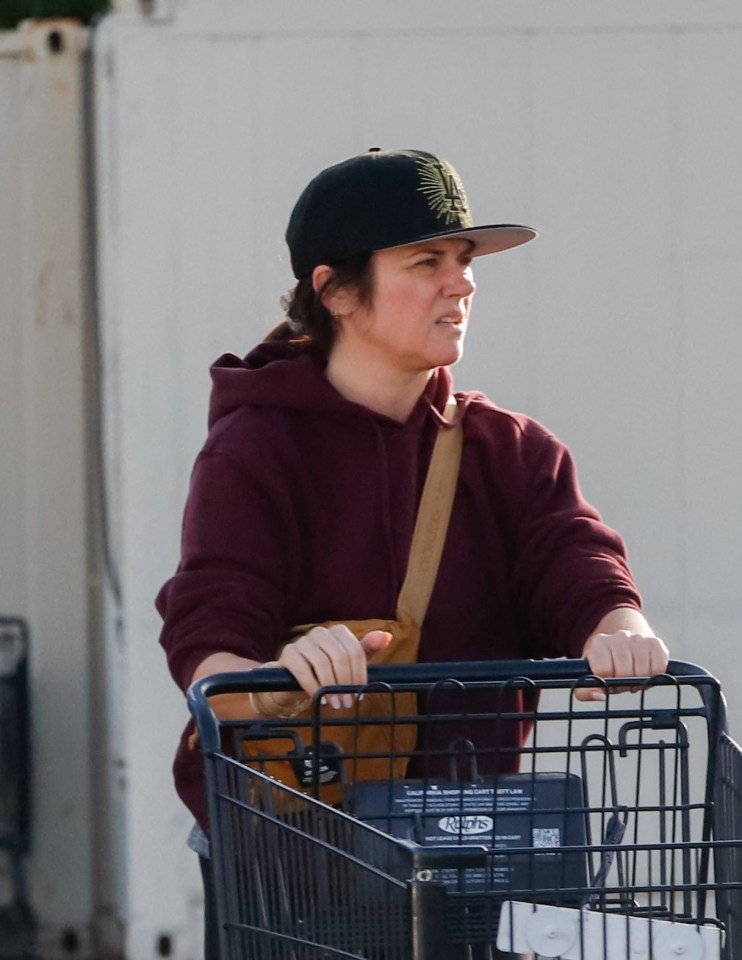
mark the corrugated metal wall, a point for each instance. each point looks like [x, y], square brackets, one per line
[44, 573]
[613, 128]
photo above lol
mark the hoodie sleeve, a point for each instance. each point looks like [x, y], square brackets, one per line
[229, 591]
[570, 569]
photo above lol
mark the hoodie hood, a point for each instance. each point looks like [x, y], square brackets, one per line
[287, 374]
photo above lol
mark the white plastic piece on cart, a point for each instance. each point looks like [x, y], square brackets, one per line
[602, 936]
[678, 942]
[551, 932]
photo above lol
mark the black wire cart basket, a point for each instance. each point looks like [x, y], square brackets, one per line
[489, 812]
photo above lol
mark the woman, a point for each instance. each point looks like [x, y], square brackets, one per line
[304, 498]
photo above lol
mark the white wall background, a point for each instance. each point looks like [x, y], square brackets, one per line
[613, 128]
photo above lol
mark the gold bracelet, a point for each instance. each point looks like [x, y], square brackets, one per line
[265, 703]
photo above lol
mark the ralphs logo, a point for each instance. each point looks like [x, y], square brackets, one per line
[466, 826]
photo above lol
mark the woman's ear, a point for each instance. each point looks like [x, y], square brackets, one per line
[321, 275]
[340, 301]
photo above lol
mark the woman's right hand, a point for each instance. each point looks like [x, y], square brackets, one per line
[328, 656]
[321, 657]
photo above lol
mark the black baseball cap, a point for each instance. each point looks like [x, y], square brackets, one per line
[383, 199]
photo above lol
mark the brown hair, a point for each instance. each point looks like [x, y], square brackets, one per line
[307, 316]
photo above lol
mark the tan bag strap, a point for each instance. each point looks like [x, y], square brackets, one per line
[433, 516]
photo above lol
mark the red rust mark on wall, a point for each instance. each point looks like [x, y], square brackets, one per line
[43, 294]
[43, 39]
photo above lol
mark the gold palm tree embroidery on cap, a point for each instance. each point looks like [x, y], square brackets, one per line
[444, 191]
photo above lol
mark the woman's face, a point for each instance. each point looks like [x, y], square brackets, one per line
[418, 314]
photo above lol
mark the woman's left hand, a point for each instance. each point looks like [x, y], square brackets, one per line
[622, 645]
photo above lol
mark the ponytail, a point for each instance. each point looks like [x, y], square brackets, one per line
[307, 318]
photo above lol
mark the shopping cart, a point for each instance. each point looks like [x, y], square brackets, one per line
[527, 821]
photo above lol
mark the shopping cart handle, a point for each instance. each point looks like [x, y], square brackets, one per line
[278, 679]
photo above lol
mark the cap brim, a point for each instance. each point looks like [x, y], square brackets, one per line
[489, 239]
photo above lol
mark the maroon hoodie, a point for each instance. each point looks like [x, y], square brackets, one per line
[302, 506]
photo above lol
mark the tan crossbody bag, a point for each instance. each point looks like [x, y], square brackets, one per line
[392, 743]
